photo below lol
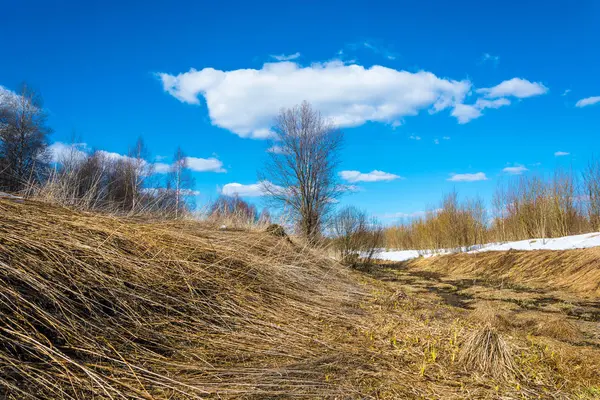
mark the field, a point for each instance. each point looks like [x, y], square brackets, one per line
[103, 307]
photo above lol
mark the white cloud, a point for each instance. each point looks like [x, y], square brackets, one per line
[205, 164]
[588, 101]
[277, 150]
[515, 87]
[373, 176]
[561, 154]
[251, 190]
[515, 170]
[467, 112]
[7, 96]
[162, 168]
[61, 151]
[566, 92]
[245, 101]
[283, 57]
[436, 141]
[446, 138]
[479, 176]
[414, 137]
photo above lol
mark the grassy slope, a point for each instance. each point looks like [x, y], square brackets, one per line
[576, 271]
[99, 307]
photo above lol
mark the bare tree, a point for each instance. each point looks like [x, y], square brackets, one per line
[141, 170]
[179, 181]
[302, 177]
[23, 139]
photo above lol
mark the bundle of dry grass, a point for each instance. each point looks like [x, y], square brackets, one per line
[99, 307]
[484, 350]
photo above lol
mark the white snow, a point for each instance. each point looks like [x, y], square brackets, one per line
[586, 240]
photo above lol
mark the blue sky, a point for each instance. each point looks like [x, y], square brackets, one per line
[423, 90]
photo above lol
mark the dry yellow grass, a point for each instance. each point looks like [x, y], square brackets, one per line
[93, 306]
[576, 271]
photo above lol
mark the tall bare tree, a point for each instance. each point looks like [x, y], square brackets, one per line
[302, 176]
[179, 181]
[23, 138]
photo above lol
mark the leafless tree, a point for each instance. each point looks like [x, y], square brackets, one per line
[23, 139]
[179, 181]
[302, 177]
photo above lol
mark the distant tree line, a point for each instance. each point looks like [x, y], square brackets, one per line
[90, 180]
[530, 206]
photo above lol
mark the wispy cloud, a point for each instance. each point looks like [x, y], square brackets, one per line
[373, 176]
[283, 57]
[588, 101]
[561, 154]
[414, 137]
[487, 57]
[515, 170]
[479, 176]
[277, 150]
[566, 92]
[436, 141]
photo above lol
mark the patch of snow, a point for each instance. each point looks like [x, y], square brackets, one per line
[584, 241]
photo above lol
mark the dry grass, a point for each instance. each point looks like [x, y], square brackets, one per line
[575, 271]
[559, 328]
[101, 307]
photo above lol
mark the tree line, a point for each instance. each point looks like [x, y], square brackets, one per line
[530, 206]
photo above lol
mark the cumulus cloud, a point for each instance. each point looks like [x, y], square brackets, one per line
[561, 154]
[252, 190]
[245, 101]
[588, 101]
[283, 57]
[60, 152]
[162, 168]
[414, 137]
[515, 170]
[479, 176]
[205, 164]
[373, 176]
[515, 87]
[467, 112]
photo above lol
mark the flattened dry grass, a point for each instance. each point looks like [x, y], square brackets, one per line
[99, 307]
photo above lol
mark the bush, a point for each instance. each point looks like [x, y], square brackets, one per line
[356, 237]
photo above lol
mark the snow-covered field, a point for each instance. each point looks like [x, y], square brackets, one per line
[563, 243]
